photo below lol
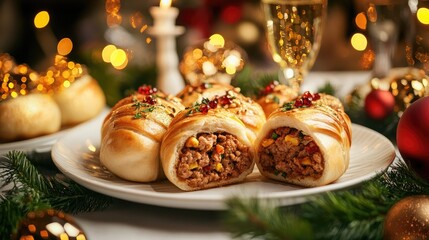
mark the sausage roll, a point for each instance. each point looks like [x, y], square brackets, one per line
[275, 95]
[206, 146]
[305, 142]
[132, 131]
[247, 110]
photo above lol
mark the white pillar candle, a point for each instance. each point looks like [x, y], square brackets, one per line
[164, 29]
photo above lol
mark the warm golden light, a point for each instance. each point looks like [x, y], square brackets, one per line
[423, 15]
[107, 52]
[64, 46]
[119, 58]
[165, 3]
[359, 41]
[360, 21]
[217, 40]
[41, 19]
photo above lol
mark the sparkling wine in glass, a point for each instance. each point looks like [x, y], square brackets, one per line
[294, 33]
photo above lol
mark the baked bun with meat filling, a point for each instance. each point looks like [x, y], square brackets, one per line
[247, 110]
[305, 142]
[207, 146]
[132, 131]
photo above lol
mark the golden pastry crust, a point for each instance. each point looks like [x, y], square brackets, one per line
[327, 127]
[28, 116]
[83, 100]
[131, 136]
[247, 110]
[275, 96]
[190, 125]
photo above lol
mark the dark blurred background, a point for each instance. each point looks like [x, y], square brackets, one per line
[92, 25]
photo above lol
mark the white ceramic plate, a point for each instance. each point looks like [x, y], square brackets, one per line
[43, 144]
[77, 156]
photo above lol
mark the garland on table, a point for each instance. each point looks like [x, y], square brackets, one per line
[26, 189]
[349, 214]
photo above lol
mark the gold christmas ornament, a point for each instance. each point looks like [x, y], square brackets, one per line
[212, 60]
[408, 219]
[407, 85]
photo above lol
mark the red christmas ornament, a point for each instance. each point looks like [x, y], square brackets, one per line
[412, 136]
[379, 104]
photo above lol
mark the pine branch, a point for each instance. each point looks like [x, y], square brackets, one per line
[250, 218]
[26, 189]
[349, 214]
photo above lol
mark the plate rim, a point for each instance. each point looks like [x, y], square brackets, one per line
[216, 202]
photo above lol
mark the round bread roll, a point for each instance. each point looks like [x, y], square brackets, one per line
[83, 100]
[206, 149]
[24, 111]
[131, 135]
[77, 93]
[306, 143]
[28, 116]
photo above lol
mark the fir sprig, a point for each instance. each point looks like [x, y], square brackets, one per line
[349, 214]
[25, 189]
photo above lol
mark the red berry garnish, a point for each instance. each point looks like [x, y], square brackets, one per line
[306, 102]
[298, 103]
[213, 103]
[308, 95]
[147, 90]
[204, 109]
[316, 96]
[149, 100]
[224, 100]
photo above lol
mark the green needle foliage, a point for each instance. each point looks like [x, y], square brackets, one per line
[348, 214]
[25, 189]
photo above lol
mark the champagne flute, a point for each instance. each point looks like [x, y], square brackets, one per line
[294, 33]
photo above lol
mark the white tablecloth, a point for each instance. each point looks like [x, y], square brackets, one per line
[127, 220]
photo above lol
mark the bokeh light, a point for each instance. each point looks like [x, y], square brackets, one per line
[217, 40]
[119, 59]
[360, 21]
[64, 46]
[423, 15]
[41, 19]
[359, 41]
[107, 52]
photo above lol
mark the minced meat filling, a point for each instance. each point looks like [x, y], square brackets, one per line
[290, 153]
[210, 157]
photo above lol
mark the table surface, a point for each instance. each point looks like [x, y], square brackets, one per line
[129, 220]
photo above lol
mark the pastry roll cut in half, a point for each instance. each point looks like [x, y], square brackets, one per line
[247, 110]
[305, 142]
[132, 131]
[207, 146]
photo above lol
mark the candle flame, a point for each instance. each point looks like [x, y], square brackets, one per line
[165, 3]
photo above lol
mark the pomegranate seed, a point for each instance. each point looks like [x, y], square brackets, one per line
[213, 103]
[298, 103]
[307, 94]
[316, 96]
[149, 100]
[224, 100]
[204, 109]
[306, 102]
[146, 90]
